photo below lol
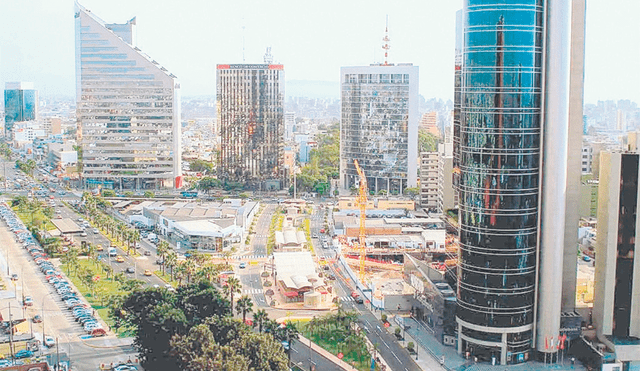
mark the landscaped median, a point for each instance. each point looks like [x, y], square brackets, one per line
[90, 278]
[338, 334]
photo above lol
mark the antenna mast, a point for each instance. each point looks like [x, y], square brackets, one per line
[242, 40]
[268, 58]
[386, 40]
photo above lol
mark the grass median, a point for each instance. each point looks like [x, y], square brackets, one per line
[102, 294]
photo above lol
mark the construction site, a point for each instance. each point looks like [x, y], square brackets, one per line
[376, 237]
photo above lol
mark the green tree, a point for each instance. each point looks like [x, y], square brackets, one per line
[244, 306]
[226, 344]
[201, 166]
[259, 318]
[108, 193]
[427, 142]
[208, 183]
[149, 194]
[230, 288]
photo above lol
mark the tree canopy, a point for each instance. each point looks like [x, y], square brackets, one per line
[192, 329]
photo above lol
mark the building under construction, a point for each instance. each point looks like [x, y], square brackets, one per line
[250, 99]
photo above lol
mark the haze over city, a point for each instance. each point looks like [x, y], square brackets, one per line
[312, 39]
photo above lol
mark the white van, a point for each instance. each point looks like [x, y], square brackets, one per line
[112, 252]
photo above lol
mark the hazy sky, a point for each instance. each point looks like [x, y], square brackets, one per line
[313, 39]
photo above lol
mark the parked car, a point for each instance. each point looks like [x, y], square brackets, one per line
[37, 319]
[24, 354]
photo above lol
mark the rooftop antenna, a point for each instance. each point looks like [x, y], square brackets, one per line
[268, 58]
[386, 40]
[243, 40]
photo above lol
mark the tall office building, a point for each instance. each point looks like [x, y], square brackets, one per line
[514, 128]
[128, 109]
[250, 100]
[616, 307]
[379, 126]
[20, 104]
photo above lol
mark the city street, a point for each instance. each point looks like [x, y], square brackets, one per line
[57, 320]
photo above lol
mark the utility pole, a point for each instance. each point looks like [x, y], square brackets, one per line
[10, 332]
[44, 334]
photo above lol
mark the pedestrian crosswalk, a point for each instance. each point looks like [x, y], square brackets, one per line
[252, 291]
[346, 298]
[249, 257]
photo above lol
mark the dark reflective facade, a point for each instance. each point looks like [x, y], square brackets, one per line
[499, 149]
[20, 104]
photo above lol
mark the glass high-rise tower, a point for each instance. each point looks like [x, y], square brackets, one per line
[512, 146]
[379, 126]
[128, 109]
[20, 104]
[250, 99]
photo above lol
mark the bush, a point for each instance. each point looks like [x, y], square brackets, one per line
[267, 284]
[410, 346]
[384, 318]
[397, 331]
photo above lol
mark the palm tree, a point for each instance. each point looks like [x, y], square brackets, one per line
[232, 287]
[162, 250]
[244, 305]
[189, 269]
[135, 236]
[69, 259]
[259, 318]
[171, 260]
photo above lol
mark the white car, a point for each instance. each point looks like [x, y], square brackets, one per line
[96, 231]
[49, 341]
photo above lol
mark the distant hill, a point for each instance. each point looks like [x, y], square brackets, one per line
[312, 89]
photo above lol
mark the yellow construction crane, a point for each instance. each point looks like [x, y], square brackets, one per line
[362, 202]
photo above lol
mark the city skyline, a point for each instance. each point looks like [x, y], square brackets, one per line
[42, 51]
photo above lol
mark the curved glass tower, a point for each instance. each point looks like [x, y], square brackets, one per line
[500, 164]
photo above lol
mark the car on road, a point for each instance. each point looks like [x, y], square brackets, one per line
[99, 248]
[28, 301]
[119, 259]
[147, 253]
[314, 235]
[97, 332]
[95, 231]
[37, 319]
[125, 367]
[83, 234]
[586, 258]
[49, 341]
[147, 272]
[242, 265]
[130, 270]
[14, 277]
[24, 354]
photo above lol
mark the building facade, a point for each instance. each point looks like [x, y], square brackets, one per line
[128, 109]
[511, 102]
[379, 126]
[616, 307]
[251, 121]
[429, 178]
[20, 104]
